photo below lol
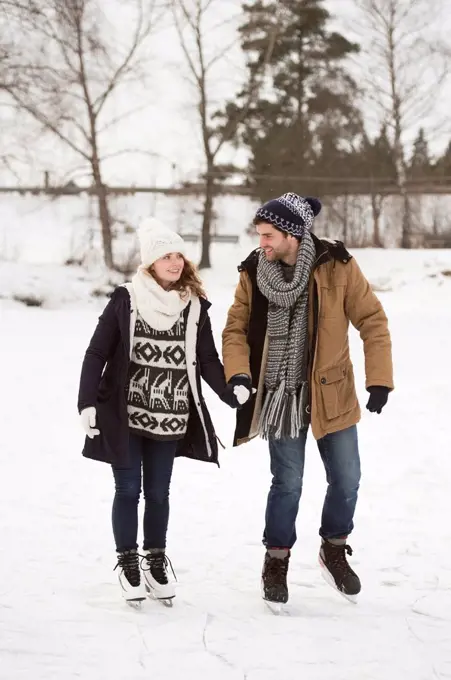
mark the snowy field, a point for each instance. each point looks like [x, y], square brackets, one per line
[61, 616]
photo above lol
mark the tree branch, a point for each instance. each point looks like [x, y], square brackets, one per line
[41, 118]
[141, 32]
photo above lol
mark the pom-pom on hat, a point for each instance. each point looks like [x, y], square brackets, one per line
[156, 240]
[290, 213]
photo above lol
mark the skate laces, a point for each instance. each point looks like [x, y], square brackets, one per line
[157, 564]
[336, 556]
[128, 561]
[276, 570]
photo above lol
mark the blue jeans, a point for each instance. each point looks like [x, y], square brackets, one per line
[156, 458]
[340, 455]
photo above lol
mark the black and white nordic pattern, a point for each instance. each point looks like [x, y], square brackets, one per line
[286, 371]
[158, 405]
[290, 212]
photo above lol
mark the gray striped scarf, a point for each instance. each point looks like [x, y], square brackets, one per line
[286, 372]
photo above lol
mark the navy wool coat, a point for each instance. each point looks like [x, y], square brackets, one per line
[104, 381]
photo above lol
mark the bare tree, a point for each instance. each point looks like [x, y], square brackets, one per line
[377, 201]
[77, 68]
[8, 49]
[399, 39]
[4, 42]
[344, 219]
[196, 42]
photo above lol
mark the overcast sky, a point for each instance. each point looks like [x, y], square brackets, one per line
[168, 128]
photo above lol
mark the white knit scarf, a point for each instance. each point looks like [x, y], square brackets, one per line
[158, 307]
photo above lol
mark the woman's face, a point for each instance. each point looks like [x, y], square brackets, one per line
[168, 269]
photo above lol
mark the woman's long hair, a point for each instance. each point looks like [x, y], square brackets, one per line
[189, 280]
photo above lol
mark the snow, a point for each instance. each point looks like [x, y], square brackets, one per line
[61, 616]
[37, 230]
[43, 230]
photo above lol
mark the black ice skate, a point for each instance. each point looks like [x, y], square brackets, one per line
[336, 570]
[158, 586]
[130, 580]
[274, 576]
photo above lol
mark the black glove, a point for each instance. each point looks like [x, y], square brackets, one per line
[229, 397]
[378, 398]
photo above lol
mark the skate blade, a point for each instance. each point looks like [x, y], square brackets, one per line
[275, 608]
[166, 601]
[330, 581]
[135, 604]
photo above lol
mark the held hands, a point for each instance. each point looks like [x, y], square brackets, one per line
[241, 393]
[378, 398]
[88, 421]
[237, 391]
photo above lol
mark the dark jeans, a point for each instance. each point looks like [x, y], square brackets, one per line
[340, 455]
[156, 459]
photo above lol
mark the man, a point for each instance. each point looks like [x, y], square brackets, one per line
[287, 337]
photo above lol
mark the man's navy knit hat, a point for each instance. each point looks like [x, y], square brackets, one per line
[290, 212]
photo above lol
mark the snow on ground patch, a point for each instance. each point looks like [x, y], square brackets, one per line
[61, 616]
[393, 269]
[55, 286]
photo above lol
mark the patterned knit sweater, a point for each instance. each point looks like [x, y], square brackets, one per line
[158, 404]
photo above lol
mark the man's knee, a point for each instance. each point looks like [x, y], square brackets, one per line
[288, 481]
[340, 453]
[346, 478]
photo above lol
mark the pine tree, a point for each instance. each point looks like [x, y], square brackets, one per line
[442, 170]
[420, 163]
[305, 96]
[378, 171]
[378, 163]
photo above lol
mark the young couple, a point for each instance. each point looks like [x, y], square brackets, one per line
[287, 368]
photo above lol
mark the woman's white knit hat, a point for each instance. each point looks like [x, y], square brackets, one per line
[156, 240]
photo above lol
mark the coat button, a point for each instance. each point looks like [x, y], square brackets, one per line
[194, 363]
[323, 381]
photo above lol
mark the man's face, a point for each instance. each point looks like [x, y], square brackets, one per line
[275, 244]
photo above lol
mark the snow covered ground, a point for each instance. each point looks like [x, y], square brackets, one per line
[61, 616]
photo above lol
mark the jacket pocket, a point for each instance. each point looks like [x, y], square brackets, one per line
[337, 389]
[332, 301]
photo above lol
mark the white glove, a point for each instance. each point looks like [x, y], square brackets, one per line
[88, 421]
[241, 393]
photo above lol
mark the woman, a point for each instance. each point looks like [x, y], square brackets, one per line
[140, 399]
